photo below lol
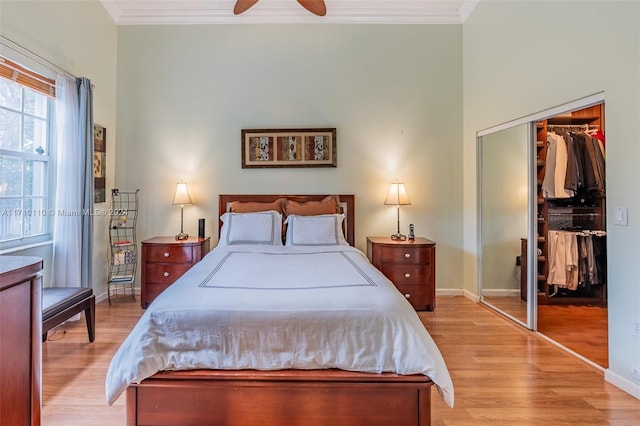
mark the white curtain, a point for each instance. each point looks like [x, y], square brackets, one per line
[73, 223]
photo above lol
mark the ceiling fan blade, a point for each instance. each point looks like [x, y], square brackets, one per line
[317, 7]
[243, 5]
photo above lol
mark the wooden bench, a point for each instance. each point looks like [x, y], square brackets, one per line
[61, 303]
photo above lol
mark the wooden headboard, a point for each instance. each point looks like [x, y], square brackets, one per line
[346, 201]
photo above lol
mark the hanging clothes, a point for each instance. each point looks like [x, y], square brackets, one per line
[575, 173]
[598, 163]
[576, 259]
[563, 259]
[553, 184]
[574, 166]
[599, 135]
[590, 158]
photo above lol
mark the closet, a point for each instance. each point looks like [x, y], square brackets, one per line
[571, 198]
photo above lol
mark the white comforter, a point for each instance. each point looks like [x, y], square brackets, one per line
[270, 308]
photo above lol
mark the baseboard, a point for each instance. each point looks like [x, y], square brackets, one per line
[457, 292]
[501, 293]
[449, 292]
[622, 383]
[101, 297]
[471, 296]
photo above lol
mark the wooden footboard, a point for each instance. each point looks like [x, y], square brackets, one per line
[277, 398]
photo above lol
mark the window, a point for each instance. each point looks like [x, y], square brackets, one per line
[25, 154]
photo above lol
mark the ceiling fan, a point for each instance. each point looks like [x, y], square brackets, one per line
[317, 7]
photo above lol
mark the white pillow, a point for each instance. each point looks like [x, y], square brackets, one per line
[251, 228]
[319, 230]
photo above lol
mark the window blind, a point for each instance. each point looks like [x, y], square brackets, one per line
[25, 77]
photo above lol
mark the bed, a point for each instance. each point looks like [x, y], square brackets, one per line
[309, 333]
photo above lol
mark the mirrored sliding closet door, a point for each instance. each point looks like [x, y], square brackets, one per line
[542, 224]
[504, 219]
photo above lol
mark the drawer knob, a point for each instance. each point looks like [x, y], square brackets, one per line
[166, 274]
[407, 275]
[407, 255]
[166, 254]
[407, 295]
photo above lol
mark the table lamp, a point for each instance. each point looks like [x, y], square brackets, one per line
[182, 198]
[397, 196]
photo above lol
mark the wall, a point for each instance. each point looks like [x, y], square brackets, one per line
[392, 91]
[527, 56]
[80, 38]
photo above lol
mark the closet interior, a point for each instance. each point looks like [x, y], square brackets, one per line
[571, 225]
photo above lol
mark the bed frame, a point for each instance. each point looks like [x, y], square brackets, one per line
[283, 397]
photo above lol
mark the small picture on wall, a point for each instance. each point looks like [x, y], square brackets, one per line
[289, 148]
[99, 163]
[261, 148]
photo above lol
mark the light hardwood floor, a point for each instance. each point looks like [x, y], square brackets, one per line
[582, 329]
[503, 374]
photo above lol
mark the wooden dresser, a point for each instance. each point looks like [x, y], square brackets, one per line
[410, 265]
[164, 260]
[20, 340]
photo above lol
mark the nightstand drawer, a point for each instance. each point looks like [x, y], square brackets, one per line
[417, 295]
[406, 274]
[169, 254]
[416, 255]
[165, 273]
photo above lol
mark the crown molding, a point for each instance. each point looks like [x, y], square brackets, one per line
[167, 12]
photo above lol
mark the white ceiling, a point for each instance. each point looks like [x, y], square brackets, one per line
[148, 12]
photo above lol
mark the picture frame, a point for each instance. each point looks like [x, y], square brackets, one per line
[99, 163]
[264, 148]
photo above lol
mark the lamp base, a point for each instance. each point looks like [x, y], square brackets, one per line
[182, 236]
[398, 237]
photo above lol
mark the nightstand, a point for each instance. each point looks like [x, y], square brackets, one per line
[164, 260]
[410, 265]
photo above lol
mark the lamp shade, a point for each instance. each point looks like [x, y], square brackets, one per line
[182, 195]
[397, 195]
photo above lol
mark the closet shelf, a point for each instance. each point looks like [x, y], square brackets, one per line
[560, 120]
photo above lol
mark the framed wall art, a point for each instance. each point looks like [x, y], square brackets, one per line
[99, 163]
[289, 148]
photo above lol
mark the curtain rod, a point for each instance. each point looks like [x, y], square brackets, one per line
[26, 53]
[581, 126]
